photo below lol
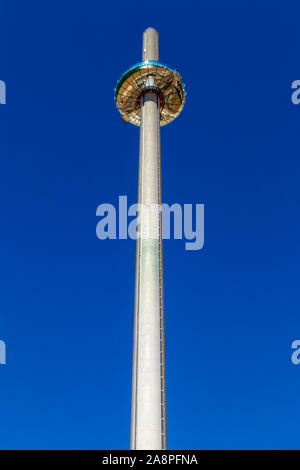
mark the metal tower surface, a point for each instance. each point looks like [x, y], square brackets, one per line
[149, 95]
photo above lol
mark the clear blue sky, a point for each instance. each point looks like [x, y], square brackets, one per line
[66, 304]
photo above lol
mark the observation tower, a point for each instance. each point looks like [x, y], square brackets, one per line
[150, 95]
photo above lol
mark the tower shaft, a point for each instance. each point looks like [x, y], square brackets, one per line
[148, 414]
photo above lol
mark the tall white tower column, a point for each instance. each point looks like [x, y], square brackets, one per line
[148, 421]
[150, 95]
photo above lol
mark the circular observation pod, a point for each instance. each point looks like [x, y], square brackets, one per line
[166, 83]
